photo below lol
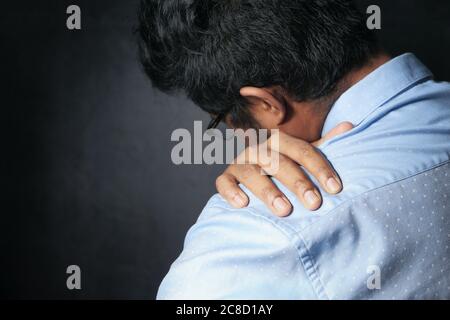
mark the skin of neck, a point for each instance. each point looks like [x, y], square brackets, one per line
[305, 119]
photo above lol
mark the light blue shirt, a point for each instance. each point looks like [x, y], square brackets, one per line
[386, 236]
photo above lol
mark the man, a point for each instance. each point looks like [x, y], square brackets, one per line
[304, 67]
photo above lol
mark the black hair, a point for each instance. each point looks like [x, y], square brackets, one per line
[209, 49]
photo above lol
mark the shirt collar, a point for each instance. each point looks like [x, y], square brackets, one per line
[376, 89]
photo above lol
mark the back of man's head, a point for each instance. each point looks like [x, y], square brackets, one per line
[210, 49]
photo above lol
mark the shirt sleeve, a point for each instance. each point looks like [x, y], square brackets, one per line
[236, 254]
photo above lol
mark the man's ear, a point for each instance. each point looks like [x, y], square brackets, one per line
[267, 107]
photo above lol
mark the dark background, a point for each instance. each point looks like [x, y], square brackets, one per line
[87, 173]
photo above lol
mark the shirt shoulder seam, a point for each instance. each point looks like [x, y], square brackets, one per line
[306, 259]
[292, 239]
[298, 243]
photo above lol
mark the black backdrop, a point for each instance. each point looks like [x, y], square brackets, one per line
[86, 166]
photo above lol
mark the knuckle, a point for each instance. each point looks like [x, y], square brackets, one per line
[248, 156]
[302, 185]
[247, 171]
[305, 150]
[220, 181]
[269, 193]
[227, 191]
[265, 160]
[325, 170]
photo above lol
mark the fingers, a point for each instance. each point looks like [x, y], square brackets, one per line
[292, 152]
[341, 128]
[228, 187]
[294, 178]
[311, 159]
[262, 187]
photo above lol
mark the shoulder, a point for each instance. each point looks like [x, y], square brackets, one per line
[402, 138]
[231, 253]
[221, 224]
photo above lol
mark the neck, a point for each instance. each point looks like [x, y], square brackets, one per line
[314, 113]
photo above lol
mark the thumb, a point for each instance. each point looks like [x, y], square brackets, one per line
[341, 128]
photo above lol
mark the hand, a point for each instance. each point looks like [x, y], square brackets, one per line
[293, 153]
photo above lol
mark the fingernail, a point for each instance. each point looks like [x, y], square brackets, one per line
[239, 201]
[281, 205]
[333, 185]
[311, 198]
